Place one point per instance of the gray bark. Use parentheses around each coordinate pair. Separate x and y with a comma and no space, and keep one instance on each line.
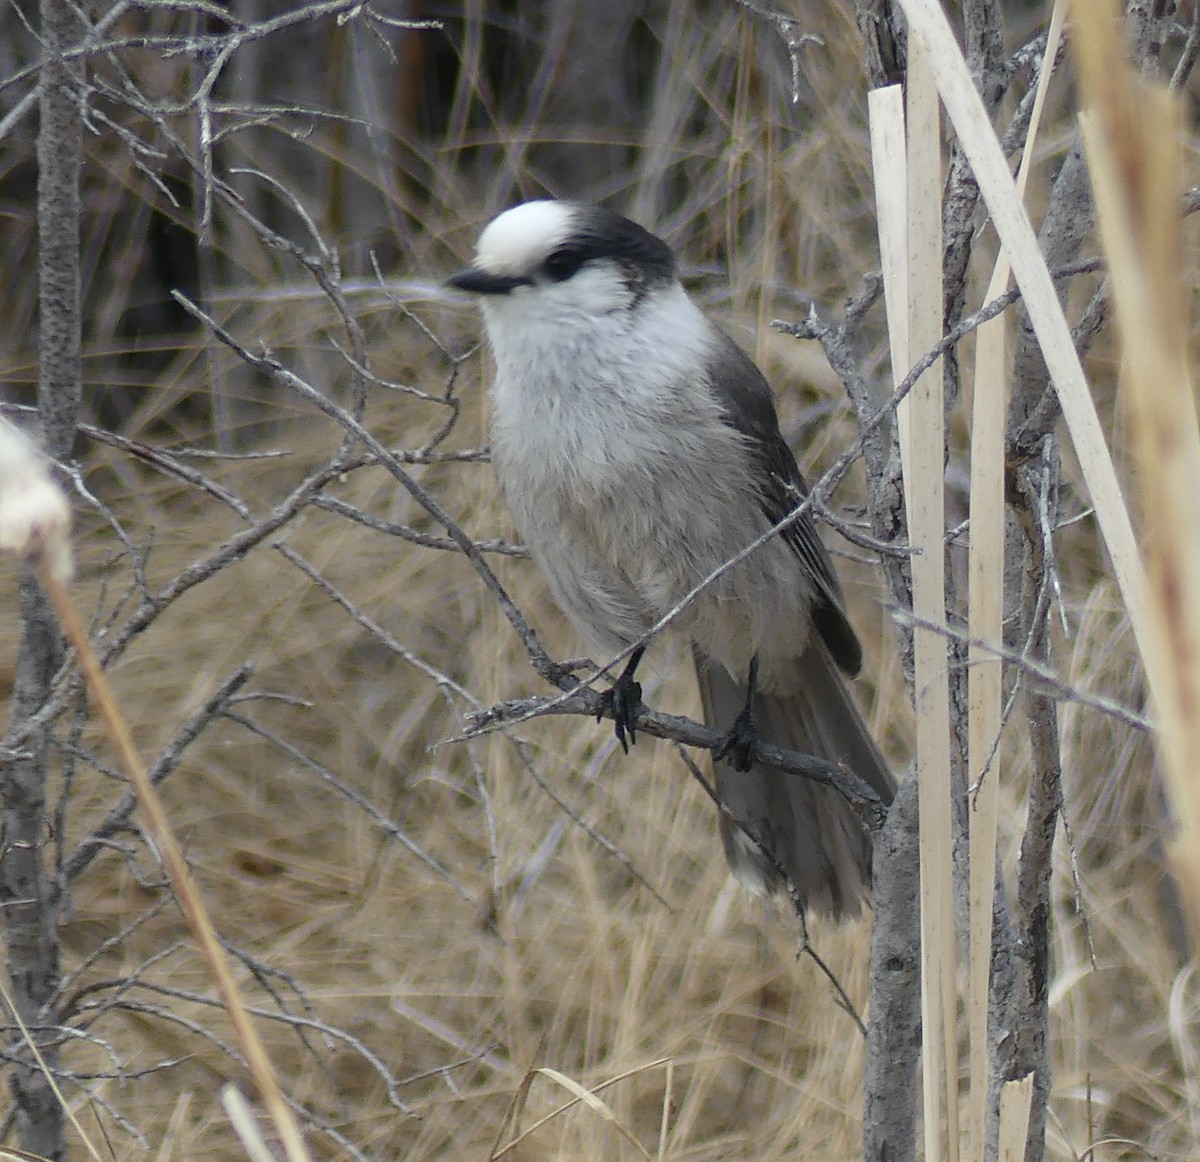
(29,897)
(881,27)
(1028,1049)
(894,1023)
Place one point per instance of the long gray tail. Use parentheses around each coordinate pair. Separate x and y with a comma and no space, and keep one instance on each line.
(813,834)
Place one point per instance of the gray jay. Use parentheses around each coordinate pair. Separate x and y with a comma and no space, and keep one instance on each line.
(639,450)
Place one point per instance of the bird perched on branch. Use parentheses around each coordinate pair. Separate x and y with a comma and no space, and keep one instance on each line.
(639,451)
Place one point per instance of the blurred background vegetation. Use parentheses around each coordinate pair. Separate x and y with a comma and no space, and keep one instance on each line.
(424,922)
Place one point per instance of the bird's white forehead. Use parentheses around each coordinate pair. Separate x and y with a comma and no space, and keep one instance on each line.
(519,238)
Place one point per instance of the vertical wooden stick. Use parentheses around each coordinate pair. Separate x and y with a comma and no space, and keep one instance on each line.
(925,500)
(986,600)
(889,164)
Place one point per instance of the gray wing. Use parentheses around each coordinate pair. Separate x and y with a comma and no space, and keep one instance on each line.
(748,404)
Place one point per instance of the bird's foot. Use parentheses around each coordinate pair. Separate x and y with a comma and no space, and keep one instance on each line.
(739,745)
(623,701)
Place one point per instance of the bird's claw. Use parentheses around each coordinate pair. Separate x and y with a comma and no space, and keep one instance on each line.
(739,746)
(624,700)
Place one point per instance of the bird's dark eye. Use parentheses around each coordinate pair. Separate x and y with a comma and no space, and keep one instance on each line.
(563,263)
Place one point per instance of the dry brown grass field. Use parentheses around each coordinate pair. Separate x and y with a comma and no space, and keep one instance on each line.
(436,946)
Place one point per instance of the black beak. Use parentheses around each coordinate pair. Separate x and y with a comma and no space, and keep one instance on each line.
(479,282)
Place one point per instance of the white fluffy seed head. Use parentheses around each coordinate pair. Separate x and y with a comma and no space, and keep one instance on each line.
(35,518)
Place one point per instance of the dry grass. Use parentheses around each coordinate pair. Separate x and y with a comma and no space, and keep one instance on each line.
(690,1017)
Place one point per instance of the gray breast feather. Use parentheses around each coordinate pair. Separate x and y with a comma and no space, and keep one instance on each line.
(629,500)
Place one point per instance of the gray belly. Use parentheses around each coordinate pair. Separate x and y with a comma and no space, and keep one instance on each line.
(618,560)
